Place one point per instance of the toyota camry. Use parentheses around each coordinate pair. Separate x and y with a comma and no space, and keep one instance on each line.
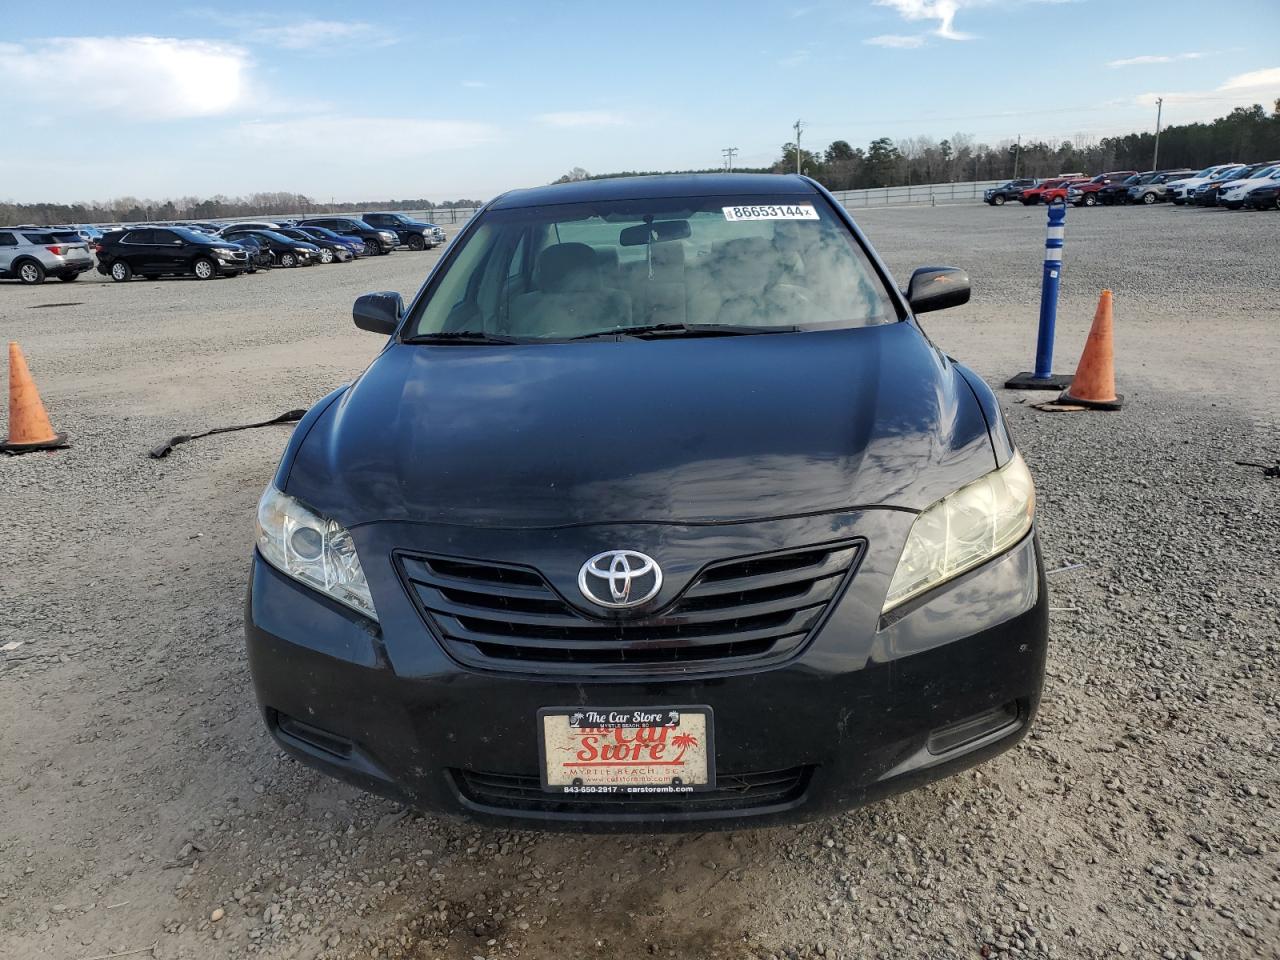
(658,509)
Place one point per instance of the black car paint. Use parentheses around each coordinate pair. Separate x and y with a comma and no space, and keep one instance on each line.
(279,248)
(841,435)
(160,252)
(405,229)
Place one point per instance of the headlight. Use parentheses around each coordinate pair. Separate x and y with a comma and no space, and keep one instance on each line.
(313,550)
(387,235)
(962,530)
(302,250)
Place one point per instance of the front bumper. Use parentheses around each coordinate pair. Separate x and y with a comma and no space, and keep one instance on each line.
(869,707)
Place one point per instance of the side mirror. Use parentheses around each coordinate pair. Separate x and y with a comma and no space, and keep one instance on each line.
(936,288)
(378,312)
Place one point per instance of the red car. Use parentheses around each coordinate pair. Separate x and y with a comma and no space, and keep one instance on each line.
(1086,193)
(1035,194)
(1059,192)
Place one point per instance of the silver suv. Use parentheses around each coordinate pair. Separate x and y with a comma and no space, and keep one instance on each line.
(30,254)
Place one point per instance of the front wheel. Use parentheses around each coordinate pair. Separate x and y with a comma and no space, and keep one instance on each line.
(326,255)
(31,272)
(288,260)
(997,200)
(121,271)
(204,269)
(416,242)
(1149,198)
(1091,200)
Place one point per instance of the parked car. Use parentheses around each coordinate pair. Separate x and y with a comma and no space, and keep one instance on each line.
(1180,191)
(438,231)
(1059,192)
(1085,193)
(330,250)
(1033,195)
(1000,194)
(354,244)
(285,251)
(1207,194)
(1264,198)
(453,604)
(260,256)
(248,225)
(376,240)
(1156,189)
(153,252)
(30,255)
(413,234)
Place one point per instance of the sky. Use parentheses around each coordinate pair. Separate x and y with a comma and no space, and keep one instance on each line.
(375,100)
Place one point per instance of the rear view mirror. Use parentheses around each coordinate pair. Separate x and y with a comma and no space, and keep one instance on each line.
(659,231)
(936,288)
(378,312)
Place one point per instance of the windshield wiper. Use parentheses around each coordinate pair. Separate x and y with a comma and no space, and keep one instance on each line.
(464,337)
(656,330)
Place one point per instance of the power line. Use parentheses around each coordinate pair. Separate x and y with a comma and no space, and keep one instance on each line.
(729,153)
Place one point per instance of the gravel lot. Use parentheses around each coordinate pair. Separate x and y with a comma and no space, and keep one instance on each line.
(143,808)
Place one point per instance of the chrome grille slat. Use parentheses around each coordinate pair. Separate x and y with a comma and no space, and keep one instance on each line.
(748,609)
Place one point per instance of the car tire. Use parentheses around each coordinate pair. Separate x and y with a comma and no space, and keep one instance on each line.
(288,260)
(1090,199)
(204,268)
(417,243)
(69,277)
(326,255)
(1148,198)
(31,272)
(121,271)
(997,200)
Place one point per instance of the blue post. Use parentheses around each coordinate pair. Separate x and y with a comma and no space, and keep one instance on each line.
(1049,289)
(1043,377)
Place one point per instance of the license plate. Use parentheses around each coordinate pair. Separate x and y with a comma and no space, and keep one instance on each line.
(626,750)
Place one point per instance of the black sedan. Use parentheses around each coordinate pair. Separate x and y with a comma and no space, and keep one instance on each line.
(285,251)
(657,510)
(330,250)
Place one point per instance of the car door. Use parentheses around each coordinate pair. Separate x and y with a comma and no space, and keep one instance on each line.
(135,250)
(167,253)
(8,243)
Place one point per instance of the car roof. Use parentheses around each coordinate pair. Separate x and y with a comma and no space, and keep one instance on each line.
(646,188)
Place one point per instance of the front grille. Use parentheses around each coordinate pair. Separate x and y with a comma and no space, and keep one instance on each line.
(747,610)
(740,791)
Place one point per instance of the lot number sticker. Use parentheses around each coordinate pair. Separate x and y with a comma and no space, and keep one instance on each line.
(797,211)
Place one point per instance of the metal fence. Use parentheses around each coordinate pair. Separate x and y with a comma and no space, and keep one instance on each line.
(920,193)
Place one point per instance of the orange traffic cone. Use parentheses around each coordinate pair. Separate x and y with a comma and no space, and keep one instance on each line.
(29,427)
(1094,384)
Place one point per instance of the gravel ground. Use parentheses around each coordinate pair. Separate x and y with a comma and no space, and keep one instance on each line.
(144,808)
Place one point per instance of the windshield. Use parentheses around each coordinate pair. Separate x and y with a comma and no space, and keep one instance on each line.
(277,237)
(1226,174)
(581,269)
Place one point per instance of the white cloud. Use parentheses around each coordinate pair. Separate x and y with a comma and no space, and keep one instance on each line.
(943,11)
(348,138)
(582,118)
(155,78)
(1268,79)
(318,34)
(1160,58)
(1257,86)
(896,41)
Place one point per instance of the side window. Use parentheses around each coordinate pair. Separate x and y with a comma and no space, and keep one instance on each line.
(138,236)
(8,240)
(165,236)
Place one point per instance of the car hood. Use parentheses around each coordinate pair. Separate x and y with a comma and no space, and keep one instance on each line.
(689,430)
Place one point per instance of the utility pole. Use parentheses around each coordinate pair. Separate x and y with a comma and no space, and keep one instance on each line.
(1155,159)
(1016,151)
(798,127)
(729,153)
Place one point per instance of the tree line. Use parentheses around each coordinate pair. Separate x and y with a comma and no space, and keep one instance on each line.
(134,209)
(1245,134)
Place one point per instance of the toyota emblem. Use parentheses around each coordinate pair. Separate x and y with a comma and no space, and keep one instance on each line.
(620,578)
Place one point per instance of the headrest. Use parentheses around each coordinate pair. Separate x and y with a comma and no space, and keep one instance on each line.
(607,257)
(568,266)
(669,256)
